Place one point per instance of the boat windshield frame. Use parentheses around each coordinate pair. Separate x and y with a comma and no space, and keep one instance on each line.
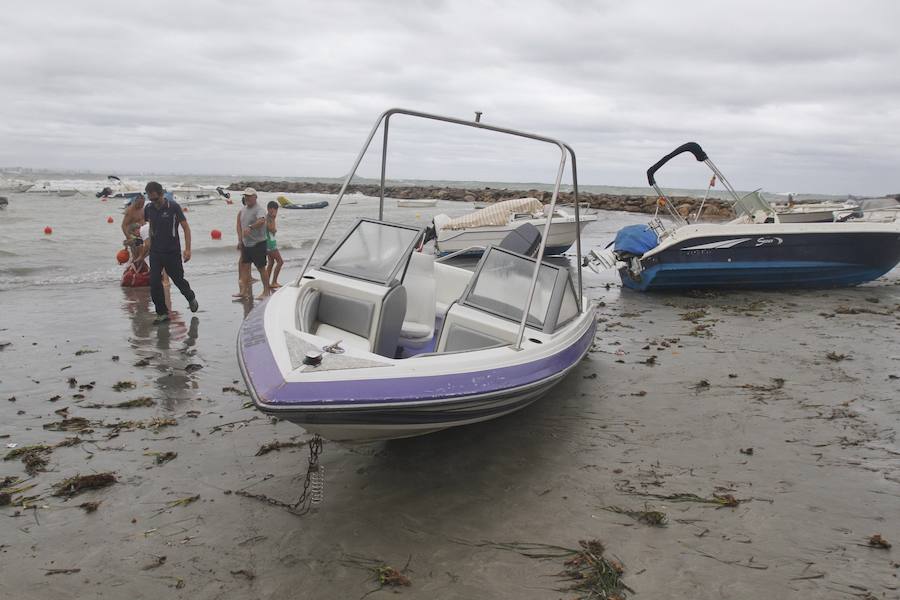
(560,280)
(366,275)
(566,151)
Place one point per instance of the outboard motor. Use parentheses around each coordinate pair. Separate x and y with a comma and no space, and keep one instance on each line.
(524,239)
(223,193)
(105,193)
(430,234)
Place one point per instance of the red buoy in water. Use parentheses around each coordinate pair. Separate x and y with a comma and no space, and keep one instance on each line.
(48,230)
(109,219)
(215,234)
(122,256)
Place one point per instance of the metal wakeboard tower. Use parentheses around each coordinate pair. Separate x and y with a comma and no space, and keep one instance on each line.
(563,148)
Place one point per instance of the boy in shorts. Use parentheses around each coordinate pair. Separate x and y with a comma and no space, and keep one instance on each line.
(272,252)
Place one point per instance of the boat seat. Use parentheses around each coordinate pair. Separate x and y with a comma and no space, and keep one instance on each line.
(418,324)
(450,284)
(336,317)
(524,239)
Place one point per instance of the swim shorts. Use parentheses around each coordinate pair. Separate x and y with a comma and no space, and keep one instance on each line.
(255,254)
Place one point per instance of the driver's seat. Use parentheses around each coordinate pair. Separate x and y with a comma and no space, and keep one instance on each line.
(418,324)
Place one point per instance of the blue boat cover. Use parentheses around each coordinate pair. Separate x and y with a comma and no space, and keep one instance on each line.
(635,240)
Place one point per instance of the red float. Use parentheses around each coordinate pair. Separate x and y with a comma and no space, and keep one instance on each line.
(136,276)
(48,230)
(109,219)
(122,256)
(215,234)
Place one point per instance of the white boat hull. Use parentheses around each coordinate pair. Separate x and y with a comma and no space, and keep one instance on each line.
(563,232)
(416,203)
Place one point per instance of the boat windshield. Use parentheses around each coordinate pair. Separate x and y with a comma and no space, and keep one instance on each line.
(501,283)
(752,203)
(373,251)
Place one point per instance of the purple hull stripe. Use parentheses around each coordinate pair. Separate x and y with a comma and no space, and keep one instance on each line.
(271,388)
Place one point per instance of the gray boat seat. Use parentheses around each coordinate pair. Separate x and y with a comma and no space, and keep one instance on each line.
(418,324)
(336,317)
(524,239)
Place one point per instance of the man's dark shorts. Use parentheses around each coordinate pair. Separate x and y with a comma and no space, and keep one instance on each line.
(255,254)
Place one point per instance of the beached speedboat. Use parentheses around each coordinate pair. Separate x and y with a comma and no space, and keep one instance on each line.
(755,250)
(384,341)
(471,233)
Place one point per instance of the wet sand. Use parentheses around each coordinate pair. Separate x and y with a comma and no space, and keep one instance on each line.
(674,394)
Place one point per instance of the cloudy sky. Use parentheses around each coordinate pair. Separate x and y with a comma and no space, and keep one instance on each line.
(788,96)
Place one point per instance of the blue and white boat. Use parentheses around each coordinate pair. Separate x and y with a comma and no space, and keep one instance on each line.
(385,341)
(757,250)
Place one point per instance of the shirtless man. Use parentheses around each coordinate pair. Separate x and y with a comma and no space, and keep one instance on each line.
(131,225)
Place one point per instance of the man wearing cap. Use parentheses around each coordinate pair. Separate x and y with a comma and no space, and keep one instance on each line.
(164,217)
(252,243)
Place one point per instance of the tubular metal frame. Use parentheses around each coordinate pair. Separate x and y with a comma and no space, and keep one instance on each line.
(563,148)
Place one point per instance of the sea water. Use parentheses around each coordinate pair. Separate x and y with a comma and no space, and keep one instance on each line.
(82,246)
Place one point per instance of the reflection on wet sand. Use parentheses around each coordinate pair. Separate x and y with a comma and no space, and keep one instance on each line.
(167,347)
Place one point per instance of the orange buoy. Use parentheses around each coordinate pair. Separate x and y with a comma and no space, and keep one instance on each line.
(48,230)
(122,256)
(184,209)
(103,199)
(215,234)
(109,219)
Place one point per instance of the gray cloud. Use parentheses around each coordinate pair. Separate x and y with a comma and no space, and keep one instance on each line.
(795,96)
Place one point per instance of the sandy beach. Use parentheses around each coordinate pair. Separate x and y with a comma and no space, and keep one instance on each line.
(762,424)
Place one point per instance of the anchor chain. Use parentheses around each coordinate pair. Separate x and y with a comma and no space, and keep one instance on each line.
(314,482)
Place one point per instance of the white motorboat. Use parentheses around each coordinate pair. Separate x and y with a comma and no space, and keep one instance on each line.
(416,202)
(818,212)
(470,233)
(194,195)
(116,189)
(383,341)
(14,186)
(46,188)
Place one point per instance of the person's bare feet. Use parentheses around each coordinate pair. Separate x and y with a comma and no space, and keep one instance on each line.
(275,286)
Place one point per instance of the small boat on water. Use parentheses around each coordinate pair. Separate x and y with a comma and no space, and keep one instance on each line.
(46,188)
(14,186)
(285,203)
(4,202)
(383,341)
(755,250)
(194,195)
(416,202)
(116,189)
(471,233)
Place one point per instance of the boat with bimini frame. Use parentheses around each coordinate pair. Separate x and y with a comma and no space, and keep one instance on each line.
(756,250)
(384,341)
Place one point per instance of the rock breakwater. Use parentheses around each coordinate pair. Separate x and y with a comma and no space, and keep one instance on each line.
(627,203)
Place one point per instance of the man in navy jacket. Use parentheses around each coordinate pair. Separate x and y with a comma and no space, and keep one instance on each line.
(164,217)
